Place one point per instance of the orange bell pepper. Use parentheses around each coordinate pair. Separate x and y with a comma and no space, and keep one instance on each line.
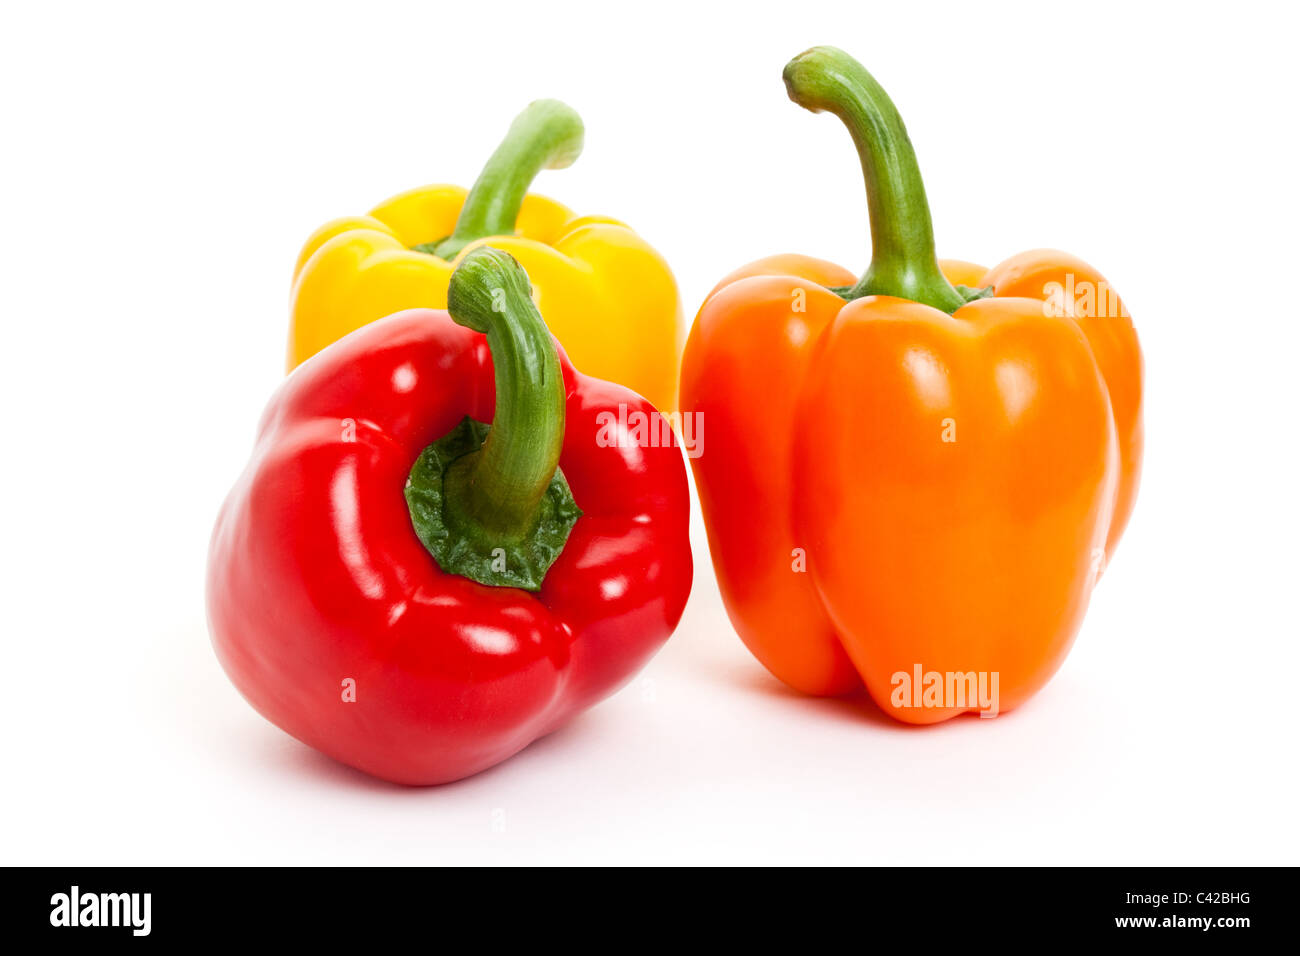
(909,478)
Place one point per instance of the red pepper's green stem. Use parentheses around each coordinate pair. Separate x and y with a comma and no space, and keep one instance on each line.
(490,293)
(903,262)
(546,135)
(490,503)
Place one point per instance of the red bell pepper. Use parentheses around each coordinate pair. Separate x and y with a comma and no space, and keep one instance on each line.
(420,601)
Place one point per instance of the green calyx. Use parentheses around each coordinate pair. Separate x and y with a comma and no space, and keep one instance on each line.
(490,502)
(903,261)
(546,135)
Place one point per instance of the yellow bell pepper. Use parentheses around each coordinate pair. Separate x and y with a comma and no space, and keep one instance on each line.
(605,293)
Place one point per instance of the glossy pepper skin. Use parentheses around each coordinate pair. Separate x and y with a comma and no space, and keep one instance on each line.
(943,470)
(317,575)
(607,295)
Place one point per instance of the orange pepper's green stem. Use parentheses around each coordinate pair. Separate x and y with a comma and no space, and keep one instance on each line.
(903,261)
(546,135)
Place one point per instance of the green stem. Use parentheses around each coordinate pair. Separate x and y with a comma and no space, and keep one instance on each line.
(546,135)
(490,293)
(490,503)
(903,261)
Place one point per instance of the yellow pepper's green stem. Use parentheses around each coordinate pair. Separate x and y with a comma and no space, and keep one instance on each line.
(903,262)
(546,135)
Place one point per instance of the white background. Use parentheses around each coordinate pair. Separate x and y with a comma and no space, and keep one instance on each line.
(160,169)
